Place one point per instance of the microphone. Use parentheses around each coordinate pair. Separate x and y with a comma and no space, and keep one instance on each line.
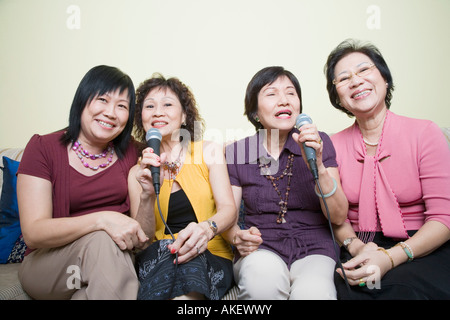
(153,138)
(309,151)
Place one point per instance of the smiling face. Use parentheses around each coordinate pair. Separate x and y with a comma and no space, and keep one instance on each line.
(278,105)
(364,94)
(104,118)
(162,110)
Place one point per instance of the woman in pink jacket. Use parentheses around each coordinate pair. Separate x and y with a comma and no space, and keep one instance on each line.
(395,173)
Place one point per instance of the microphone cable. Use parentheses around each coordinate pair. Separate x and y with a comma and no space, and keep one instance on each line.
(336,249)
(173,239)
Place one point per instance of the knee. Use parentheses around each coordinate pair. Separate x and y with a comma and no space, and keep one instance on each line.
(313,288)
(98,243)
(100,247)
(261,277)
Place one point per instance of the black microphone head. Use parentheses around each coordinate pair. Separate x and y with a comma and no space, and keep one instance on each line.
(153,133)
(302,119)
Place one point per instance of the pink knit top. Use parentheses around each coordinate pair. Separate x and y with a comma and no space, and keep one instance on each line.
(404,185)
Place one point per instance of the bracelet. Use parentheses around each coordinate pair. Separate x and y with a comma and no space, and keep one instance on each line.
(348,241)
(389,255)
(407,250)
(329,194)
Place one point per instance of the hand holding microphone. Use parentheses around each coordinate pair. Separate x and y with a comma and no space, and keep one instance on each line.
(310,152)
(149,173)
(153,138)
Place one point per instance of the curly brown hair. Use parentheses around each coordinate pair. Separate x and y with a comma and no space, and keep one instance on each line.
(194,122)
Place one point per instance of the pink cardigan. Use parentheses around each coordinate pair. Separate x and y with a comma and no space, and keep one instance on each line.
(404,185)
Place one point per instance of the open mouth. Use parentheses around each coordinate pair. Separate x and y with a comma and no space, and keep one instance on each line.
(105,124)
(283,114)
(159,124)
(361,94)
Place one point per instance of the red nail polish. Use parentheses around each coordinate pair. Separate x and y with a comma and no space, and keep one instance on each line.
(173,250)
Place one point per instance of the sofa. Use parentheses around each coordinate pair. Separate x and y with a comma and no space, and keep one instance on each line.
(12,253)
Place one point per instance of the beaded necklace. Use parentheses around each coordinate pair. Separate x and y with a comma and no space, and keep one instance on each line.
(82,153)
(173,166)
(286,172)
(370,143)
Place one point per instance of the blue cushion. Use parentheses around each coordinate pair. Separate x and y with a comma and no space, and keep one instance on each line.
(8,200)
(9,211)
(8,237)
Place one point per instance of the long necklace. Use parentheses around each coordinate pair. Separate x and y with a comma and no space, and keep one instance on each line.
(286,172)
(82,153)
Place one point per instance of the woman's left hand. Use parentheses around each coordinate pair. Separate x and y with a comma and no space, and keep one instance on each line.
(191,241)
(370,265)
(310,136)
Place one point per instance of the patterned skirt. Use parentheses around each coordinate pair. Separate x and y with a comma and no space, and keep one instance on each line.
(206,274)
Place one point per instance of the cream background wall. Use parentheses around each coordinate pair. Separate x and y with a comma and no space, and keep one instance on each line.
(215,47)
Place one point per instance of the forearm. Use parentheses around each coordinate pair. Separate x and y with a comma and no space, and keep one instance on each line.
(56,232)
(345,231)
(428,238)
(224,220)
(230,234)
(336,200)
(146,215)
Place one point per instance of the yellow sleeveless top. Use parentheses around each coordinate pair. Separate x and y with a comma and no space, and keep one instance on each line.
(193,178)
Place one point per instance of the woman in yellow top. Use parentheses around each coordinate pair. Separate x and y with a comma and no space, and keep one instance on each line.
(195,199)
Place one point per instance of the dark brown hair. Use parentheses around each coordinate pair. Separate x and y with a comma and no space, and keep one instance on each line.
(186,98)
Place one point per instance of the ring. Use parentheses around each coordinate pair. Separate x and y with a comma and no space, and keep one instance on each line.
(361,283)
(319,141)
(198,250)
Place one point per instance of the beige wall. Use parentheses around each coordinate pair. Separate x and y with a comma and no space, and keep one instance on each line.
(215,47)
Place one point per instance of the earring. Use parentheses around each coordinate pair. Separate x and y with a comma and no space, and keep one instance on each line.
(256,118)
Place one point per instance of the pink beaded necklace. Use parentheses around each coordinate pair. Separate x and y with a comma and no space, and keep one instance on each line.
(82,153)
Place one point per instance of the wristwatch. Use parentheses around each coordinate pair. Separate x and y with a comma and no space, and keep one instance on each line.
(213,226)
(347,242)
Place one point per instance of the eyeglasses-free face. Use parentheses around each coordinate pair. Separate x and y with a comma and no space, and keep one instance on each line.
(345,77)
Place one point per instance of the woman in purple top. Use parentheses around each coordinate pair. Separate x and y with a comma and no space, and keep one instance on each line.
(285,249)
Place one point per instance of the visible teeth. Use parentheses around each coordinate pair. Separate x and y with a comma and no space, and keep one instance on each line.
(285,112)
(361,93)
(105,124)
(159,123)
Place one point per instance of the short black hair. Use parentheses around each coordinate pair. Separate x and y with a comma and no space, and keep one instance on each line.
(99,81)
(263,77)
(345,48)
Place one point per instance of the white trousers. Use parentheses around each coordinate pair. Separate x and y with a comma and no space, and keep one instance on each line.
(263,275)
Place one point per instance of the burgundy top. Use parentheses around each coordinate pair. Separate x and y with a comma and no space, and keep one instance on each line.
(75,194)
(306,230)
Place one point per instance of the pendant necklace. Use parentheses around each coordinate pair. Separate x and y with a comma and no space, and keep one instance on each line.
(286,172)
(173,166)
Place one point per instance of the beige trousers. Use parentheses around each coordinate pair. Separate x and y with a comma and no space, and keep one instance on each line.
(263,275)
(92,267)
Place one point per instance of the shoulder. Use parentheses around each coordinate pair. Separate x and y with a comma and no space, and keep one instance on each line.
(342,135)
(213,153)
(49,138)
(238,148)
(49,143)
(407,127)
